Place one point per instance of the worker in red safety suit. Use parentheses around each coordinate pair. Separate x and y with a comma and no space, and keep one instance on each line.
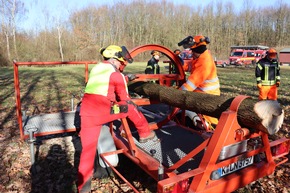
(106,99)
(203,76)
(268,76)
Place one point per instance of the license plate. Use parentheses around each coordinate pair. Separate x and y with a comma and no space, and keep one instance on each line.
(236,166)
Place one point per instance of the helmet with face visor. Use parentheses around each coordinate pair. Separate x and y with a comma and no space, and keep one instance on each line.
(117,52)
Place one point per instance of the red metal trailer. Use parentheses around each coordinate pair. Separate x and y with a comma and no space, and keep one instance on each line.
(228,158)
(183,159)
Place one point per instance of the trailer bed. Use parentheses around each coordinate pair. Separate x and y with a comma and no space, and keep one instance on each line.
(50,123)
(173,143)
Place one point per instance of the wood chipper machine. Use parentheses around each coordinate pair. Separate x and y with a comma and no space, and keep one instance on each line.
(183,159)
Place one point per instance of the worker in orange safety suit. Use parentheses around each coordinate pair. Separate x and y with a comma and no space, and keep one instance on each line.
(106,99)
(268,76)
(203,76)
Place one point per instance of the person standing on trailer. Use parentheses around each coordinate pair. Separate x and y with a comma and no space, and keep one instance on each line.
(268,76)
(106,99)
(203,76)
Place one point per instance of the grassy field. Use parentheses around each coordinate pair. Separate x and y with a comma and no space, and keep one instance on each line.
(50,89)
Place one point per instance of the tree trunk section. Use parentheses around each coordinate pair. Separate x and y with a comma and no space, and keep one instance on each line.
(266,116)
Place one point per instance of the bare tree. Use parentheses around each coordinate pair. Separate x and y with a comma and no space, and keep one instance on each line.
(13,26)
(5,26)
(280,22)
(140,22)
(59,35)
(9,11)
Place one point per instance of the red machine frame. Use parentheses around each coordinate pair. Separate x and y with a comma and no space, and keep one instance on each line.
(228,126)
(16,66)
(227,132)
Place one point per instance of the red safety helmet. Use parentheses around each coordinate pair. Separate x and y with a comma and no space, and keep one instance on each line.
(272,53)
(200,40)
(155,52)
(177,51)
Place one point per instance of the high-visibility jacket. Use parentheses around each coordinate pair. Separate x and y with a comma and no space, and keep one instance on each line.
(187,65)
(203,77)
(267,72)
(104,86)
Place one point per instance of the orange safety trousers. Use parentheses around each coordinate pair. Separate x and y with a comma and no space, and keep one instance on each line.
(268,92)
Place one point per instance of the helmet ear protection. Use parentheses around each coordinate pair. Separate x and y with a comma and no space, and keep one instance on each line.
(118,54)
(204,39)
(207,40)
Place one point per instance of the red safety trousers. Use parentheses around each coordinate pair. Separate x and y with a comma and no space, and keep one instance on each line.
(89,134)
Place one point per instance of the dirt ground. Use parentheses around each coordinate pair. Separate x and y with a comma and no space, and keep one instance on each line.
(54,169)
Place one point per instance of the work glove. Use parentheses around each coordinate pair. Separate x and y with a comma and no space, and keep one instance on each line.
(259,85)
(278,83)
(131,77)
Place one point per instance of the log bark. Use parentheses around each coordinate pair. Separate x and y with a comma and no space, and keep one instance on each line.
(266,116)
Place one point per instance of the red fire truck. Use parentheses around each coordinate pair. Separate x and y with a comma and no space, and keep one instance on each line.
(246,55)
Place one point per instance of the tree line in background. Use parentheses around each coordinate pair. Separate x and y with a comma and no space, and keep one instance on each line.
(140,22)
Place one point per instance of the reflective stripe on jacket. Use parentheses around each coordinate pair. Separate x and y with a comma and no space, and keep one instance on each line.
(203,77)
(152,67)
(267,72)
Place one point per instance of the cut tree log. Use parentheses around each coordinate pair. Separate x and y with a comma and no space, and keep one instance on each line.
(266,116)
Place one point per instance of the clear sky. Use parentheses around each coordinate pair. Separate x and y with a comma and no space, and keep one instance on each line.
(37,9)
